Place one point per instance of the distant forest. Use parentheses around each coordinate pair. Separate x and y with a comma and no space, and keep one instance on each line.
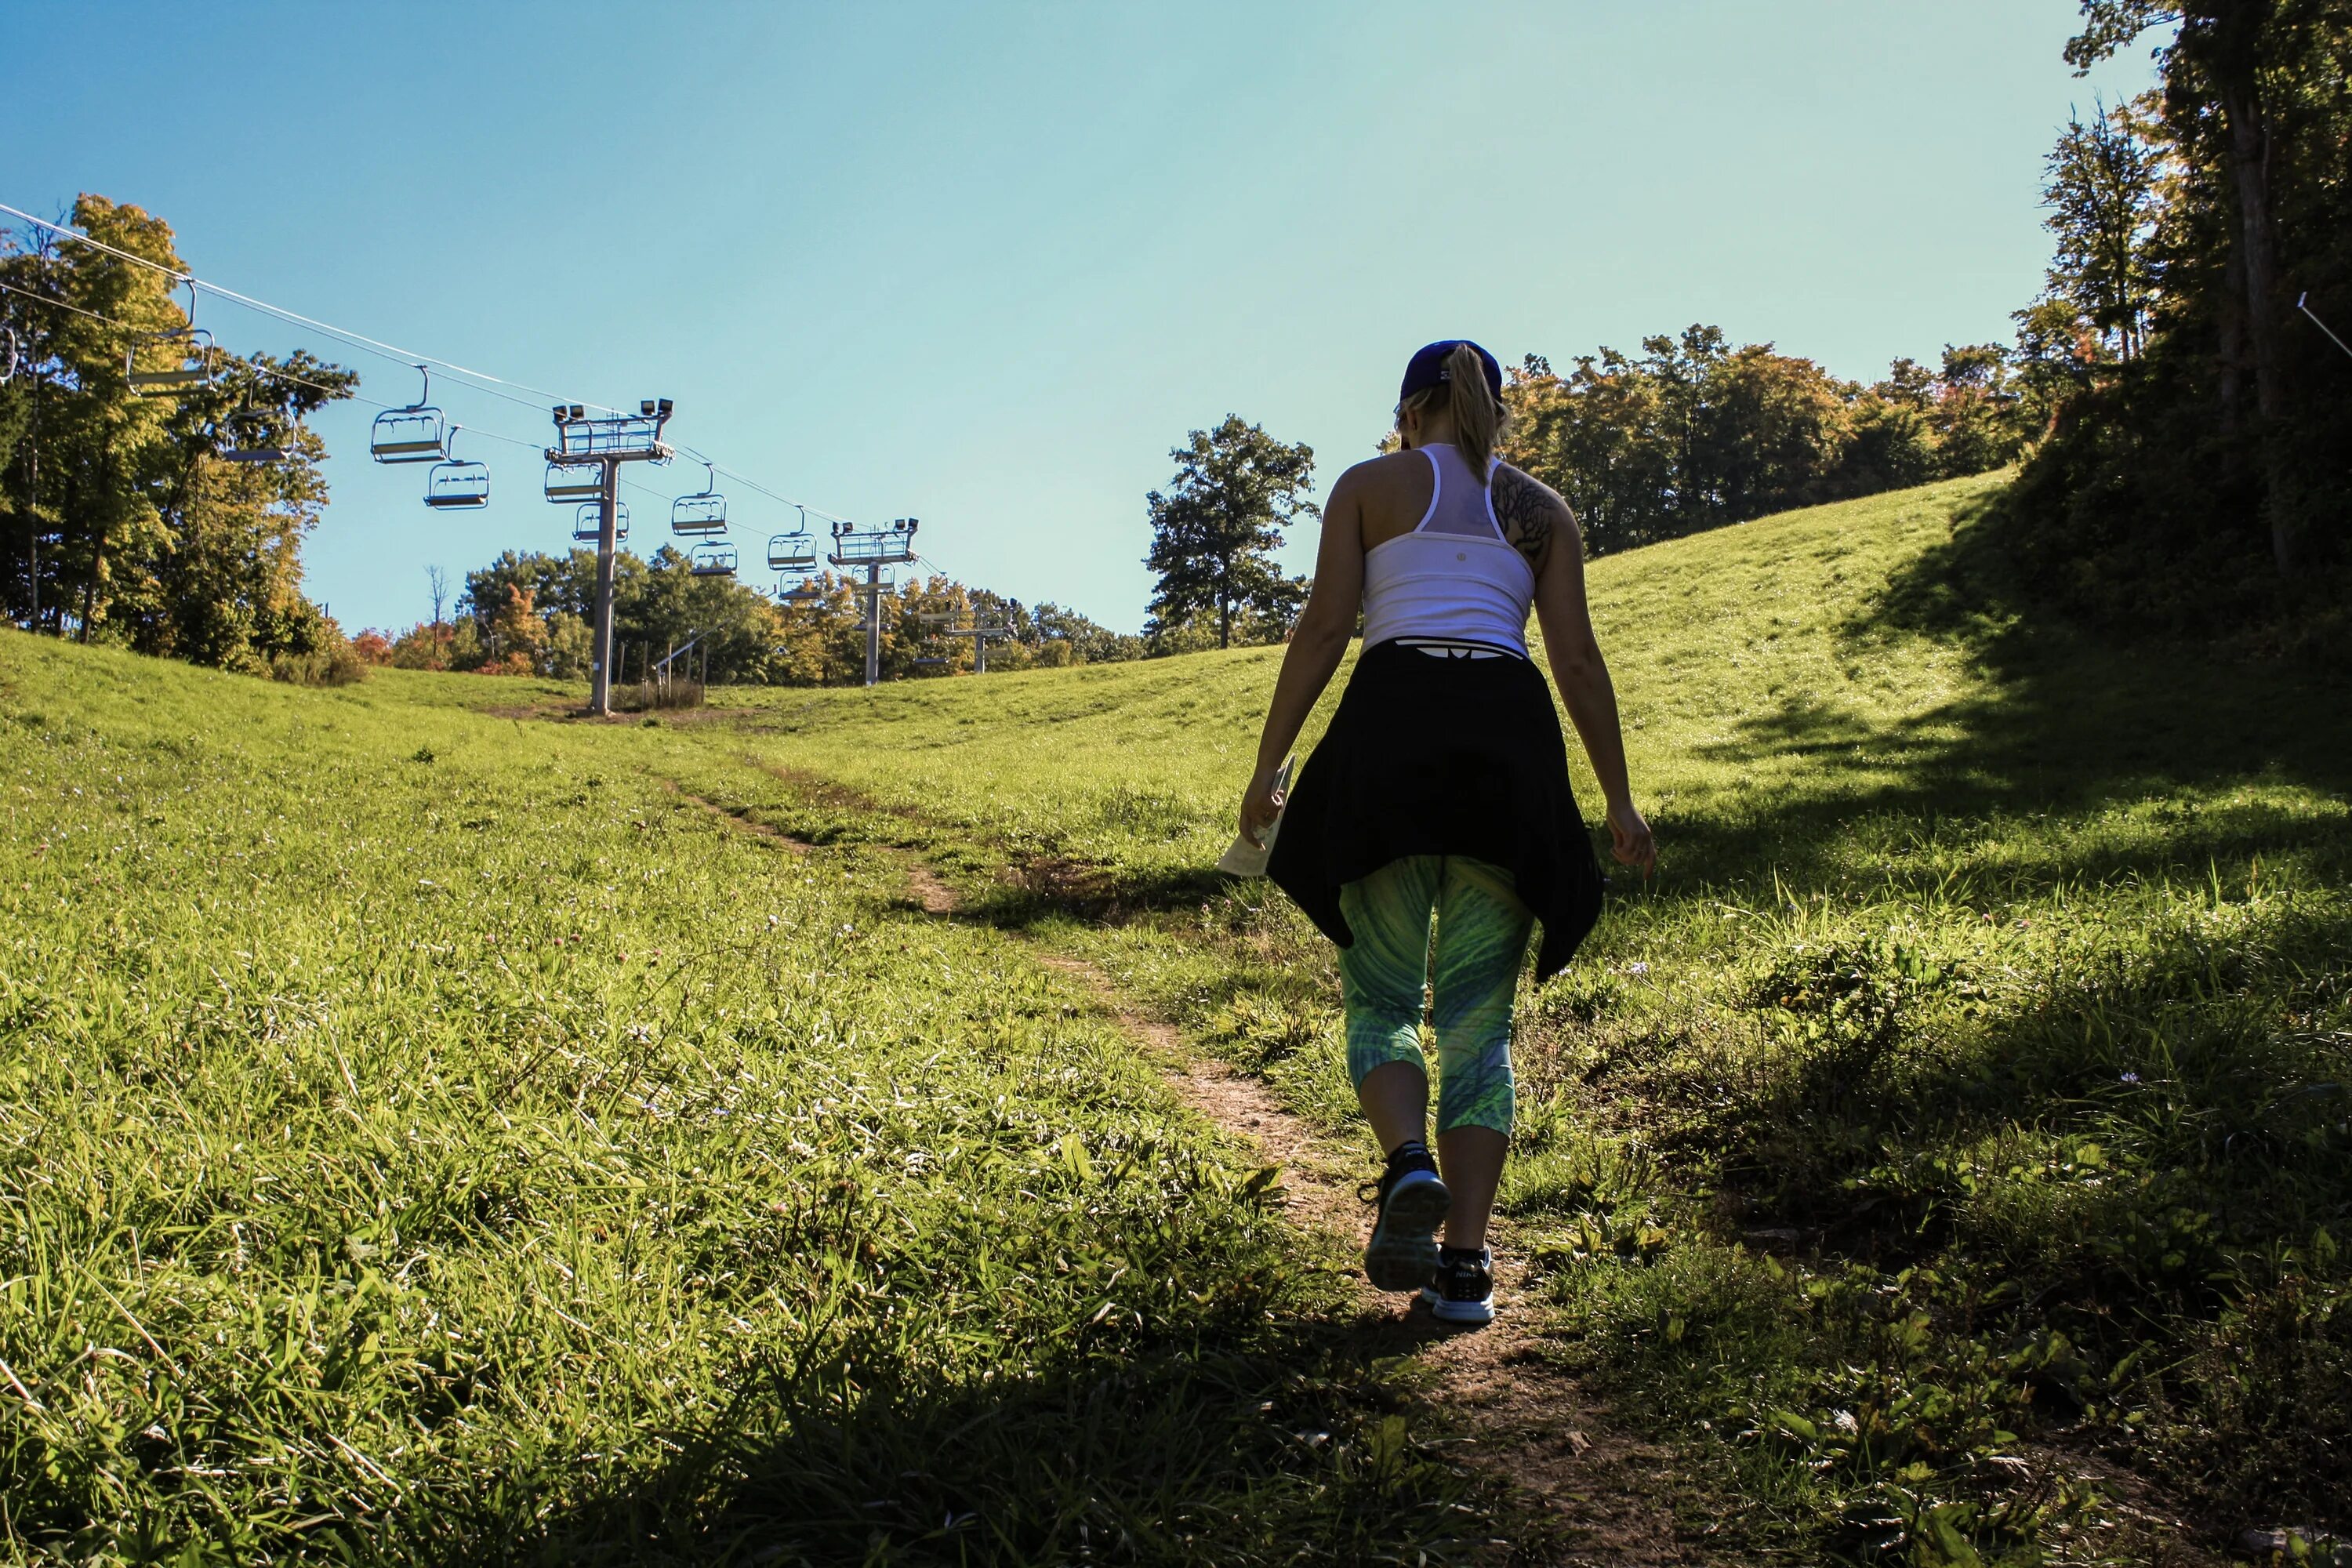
(1692,434)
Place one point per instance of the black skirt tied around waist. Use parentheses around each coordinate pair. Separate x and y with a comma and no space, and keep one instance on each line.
(1431,756)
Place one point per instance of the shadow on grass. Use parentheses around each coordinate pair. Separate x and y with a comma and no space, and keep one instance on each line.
(1162,1454)
(1038,888)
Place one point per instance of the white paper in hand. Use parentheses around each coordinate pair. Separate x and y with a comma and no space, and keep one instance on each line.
(1243,858)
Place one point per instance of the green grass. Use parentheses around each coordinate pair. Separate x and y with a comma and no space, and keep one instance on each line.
(1964,1108)
(1973,1088)
(426,1138)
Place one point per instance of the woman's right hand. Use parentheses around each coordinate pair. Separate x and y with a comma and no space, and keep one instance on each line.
(1260,805)
(1630,838)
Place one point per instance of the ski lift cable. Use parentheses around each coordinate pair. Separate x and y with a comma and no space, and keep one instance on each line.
(2299,305)
(356,339)
(273,373)
(388,350)
(60,304)
(747,481)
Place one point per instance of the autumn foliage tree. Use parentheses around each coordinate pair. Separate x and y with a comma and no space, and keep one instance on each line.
(120,519)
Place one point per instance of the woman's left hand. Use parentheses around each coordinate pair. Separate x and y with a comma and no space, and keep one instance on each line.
(1261,804)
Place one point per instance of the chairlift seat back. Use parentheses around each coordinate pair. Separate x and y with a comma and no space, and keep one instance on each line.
(588,522)
(792,553)
(194,369)
(408,436)
(574,481)
(457,484)
(695,515)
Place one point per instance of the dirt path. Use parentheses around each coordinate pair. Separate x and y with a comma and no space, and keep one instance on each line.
(1602,1495)
(1602,1498)
(740,819)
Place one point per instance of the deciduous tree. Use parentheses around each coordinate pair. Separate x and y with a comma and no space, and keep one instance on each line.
(1216,527)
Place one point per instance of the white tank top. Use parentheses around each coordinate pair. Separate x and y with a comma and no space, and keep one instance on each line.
(1454,578)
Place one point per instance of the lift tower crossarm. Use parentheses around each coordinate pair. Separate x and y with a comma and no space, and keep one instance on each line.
(604,444)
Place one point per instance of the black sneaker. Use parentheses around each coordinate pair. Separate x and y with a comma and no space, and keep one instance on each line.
(1413,1204)
(1462,1289)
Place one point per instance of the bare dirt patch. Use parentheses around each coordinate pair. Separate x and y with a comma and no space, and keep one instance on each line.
(819,790)
(923,885)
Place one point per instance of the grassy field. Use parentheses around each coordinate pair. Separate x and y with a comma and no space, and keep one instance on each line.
(1966,1109)
(423,1135)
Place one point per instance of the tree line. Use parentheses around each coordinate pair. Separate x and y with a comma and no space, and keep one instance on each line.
(119,518)
(1688,434)
(531,613)
(2192,480)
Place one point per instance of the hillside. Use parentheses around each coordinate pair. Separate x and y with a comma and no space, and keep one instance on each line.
(1947,1156)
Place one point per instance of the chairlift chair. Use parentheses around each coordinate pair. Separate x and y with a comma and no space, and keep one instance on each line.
(704,512)
(588,522)
(792,552)
(194,346)
(456,483)
(714,559)
(10,355)
(574,481)
(415,434)
(791,590)
(250,439)
(194,367)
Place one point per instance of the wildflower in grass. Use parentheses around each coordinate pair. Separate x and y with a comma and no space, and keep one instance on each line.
(2129,1078)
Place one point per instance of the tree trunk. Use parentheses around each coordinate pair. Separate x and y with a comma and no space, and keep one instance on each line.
(2258,247)
(2230,314)
(90,584)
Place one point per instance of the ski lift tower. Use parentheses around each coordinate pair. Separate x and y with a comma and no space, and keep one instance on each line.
(981,632)
(874,547)
(603,445)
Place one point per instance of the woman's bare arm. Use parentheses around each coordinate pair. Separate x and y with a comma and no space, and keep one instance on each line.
(1317,643)
(1532,510)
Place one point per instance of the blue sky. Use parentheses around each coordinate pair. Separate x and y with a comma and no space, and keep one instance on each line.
(985,265)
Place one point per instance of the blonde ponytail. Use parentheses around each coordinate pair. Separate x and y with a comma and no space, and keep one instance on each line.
(1477,417)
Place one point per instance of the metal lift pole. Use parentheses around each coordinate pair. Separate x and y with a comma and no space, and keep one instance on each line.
(600,660)
(873,623)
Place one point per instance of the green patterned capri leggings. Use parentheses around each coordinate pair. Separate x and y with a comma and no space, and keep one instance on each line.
(1471,970)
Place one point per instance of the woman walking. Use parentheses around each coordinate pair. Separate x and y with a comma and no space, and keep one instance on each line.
(1440,790)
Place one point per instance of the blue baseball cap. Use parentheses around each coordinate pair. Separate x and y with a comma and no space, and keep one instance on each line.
(1427,369)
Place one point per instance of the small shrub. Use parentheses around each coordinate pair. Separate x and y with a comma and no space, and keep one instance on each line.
(651,694)
(337,664)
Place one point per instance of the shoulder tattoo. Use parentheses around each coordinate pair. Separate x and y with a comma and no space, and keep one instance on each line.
(1529,511)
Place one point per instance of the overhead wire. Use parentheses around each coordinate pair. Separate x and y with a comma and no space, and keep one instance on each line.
(392,352)
(271,372)
(399,355)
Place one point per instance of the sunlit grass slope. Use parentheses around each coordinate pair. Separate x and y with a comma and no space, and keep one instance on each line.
(425,1137)
(1971,1086)
(1836,656)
